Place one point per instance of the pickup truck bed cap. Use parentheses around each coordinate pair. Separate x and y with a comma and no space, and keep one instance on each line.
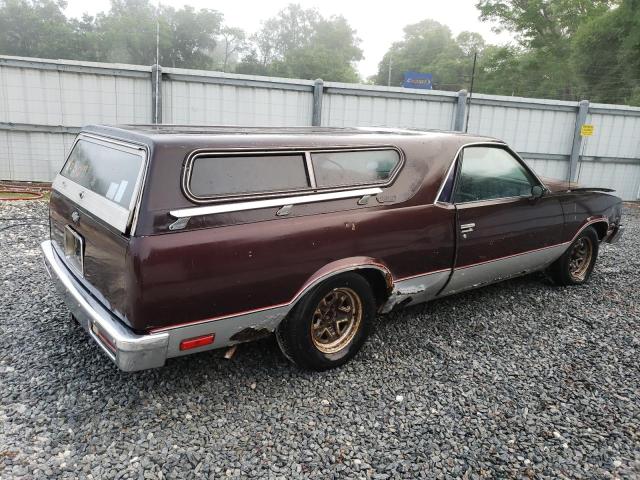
(264,136)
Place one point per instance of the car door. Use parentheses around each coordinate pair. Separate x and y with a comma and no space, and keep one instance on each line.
(503,230)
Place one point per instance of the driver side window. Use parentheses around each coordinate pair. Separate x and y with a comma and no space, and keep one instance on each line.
(488,173)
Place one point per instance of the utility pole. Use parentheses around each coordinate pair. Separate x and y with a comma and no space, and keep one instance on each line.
(157,63)
(473,76)
(158,39)
(389,75)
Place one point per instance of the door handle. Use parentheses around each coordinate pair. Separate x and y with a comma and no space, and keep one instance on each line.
(467,227)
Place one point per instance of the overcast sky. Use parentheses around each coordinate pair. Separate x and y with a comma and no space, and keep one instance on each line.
(377,26)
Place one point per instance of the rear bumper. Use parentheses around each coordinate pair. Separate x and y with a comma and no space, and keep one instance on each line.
(128,350)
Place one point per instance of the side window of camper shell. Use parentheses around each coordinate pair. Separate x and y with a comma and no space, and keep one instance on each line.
(232,175)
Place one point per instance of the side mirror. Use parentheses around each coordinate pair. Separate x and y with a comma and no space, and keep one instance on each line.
(537,191)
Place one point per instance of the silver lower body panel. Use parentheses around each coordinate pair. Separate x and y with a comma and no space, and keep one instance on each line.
(493,271)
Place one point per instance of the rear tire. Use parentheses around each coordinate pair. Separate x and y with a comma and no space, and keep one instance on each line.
(329,325)
(574,267)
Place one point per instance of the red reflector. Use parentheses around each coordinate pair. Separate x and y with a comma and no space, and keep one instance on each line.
(108,343)
(197,342)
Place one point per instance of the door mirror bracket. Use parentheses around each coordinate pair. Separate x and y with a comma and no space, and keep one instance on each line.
(537,191)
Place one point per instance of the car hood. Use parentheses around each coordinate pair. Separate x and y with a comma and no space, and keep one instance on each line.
(555,185)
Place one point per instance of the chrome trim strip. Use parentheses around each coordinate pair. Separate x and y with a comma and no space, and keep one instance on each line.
(186,176)
(274,202)
(499,199)
(310,172)
(132,351)
(421,275)
(117,141)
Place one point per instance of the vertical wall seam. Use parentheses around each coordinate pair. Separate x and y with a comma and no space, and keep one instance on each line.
(581,117)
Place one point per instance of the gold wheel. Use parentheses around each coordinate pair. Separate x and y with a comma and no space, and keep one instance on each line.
(580,258)
(336,320)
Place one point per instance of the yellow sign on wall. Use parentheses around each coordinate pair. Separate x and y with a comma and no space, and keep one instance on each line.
(587,130)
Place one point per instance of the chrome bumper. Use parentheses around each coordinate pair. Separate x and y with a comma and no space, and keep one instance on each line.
(128,350)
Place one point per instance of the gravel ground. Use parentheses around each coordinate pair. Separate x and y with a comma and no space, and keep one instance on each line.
(517,380)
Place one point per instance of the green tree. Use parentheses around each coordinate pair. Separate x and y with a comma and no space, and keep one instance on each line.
(429,47)
(544,29)
(38,28)
(232,42)
(606,55)
(193,36)
(124,34)
(127,33)
(541,23)
(470,43)
(499,71)
(301,43)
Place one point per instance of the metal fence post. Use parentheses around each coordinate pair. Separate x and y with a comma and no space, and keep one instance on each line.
(581,118)
(156,94)
(458,114)
(316,115)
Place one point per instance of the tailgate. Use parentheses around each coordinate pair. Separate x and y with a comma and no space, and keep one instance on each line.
(91,212)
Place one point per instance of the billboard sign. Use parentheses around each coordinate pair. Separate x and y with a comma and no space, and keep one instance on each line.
(418,80)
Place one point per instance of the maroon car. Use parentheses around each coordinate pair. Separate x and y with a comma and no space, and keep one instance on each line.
(170,240)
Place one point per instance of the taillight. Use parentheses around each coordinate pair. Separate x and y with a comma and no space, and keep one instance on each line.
(197,342)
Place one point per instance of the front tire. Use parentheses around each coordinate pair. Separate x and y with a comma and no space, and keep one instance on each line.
(574,267)
(329,325)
